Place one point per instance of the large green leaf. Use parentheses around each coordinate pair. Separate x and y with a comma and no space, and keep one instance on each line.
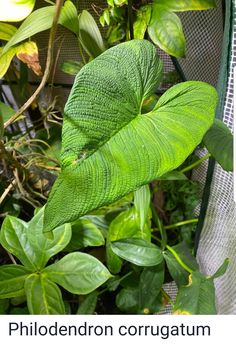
(43,296)
(109,148)
(197,298)
(89,35)
(165,30)
(138,251)
(12,279)
(15,10)
(44,18)
(78,273)
(186,5)
(219,142)
(28,243)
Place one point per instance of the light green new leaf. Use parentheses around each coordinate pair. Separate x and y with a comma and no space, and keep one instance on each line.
(7,31)
(71,67)
(12,279)
(197,298)
(84,234)
(44,18)
(5,60)
(138,251)
(78,273)
(143,16)
(13,238)
(221,270)
(89,35)
(5,111)
(109,148)
(219,142)
(43,296)
(186,5)
(142,198)
(15,10)
(165,30)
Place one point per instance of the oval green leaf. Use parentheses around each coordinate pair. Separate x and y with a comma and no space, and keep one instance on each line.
(138,251)
(78,273)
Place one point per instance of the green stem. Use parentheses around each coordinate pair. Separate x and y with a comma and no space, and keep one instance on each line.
(82,53)
(122,278)
(178,259)
(130,15)
(195,164)
(189,221)
(160,226)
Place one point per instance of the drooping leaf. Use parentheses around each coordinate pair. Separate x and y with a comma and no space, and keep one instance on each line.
(7,31)
(71,67)
(219,142)
(44,18)
(197,298)
(88,306)
(89,35)
(221,270)
(12,279)
(105,137)
(138,251)
(43,296)
(84,234)
(142,198)
(78,273)
(186,5)
(143,16)
(15,10)
(165,30)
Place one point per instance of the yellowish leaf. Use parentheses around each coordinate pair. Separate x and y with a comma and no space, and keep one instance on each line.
(7,31)
(5,60)
(28,53)
(15,10)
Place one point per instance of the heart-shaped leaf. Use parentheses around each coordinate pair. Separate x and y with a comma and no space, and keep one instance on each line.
(78,273)
(43,296)
(109,148)
(12,280)
(138,251)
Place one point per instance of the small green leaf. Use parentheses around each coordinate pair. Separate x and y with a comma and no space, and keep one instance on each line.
(186,5)
(143,16)
(71,67)
(7,31)
(142,198)
(84,234)
(88,306)
(173,176)
(69,17)
(197,298)
(78,273)
(89,35)
(165,30)
(12,279)
(138,251)
(114,263)
(219,142)
(221,270)
(15,10)
(127,300)
(43,296)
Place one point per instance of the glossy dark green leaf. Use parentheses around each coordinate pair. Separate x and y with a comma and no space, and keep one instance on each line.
(78,273)
(151,281)
(88,306)
(89,35)
(197,298)
(108,152)
(138,251)
(71,67)
(178,273)
(12,279)
(84,234)
(165,30)
(186,5)
(43,296)
(219,142)
(221,270)
(127,300)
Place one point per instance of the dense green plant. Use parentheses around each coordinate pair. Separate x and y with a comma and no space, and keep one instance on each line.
(128,19)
